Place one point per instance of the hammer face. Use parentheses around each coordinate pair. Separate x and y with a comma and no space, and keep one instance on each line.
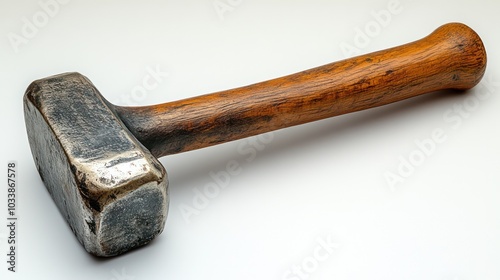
(110,189)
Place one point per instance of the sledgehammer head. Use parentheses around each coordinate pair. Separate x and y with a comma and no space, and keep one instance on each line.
(110,189)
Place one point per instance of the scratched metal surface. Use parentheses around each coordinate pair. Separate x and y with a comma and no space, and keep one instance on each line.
(110,189)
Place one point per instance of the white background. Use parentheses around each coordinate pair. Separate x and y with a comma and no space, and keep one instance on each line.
(323,180)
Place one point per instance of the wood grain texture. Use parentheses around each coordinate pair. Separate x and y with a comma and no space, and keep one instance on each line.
(452,57)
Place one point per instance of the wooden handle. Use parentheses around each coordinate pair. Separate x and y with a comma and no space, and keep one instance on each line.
(452,57)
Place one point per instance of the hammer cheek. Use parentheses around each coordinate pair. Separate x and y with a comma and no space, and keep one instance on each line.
(54,169)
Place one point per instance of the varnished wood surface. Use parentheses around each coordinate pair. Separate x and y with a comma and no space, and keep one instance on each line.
(452,57)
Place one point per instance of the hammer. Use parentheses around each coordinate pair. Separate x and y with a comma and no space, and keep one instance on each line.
(99,161)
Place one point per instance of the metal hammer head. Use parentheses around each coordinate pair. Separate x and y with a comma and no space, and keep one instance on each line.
(110,189)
